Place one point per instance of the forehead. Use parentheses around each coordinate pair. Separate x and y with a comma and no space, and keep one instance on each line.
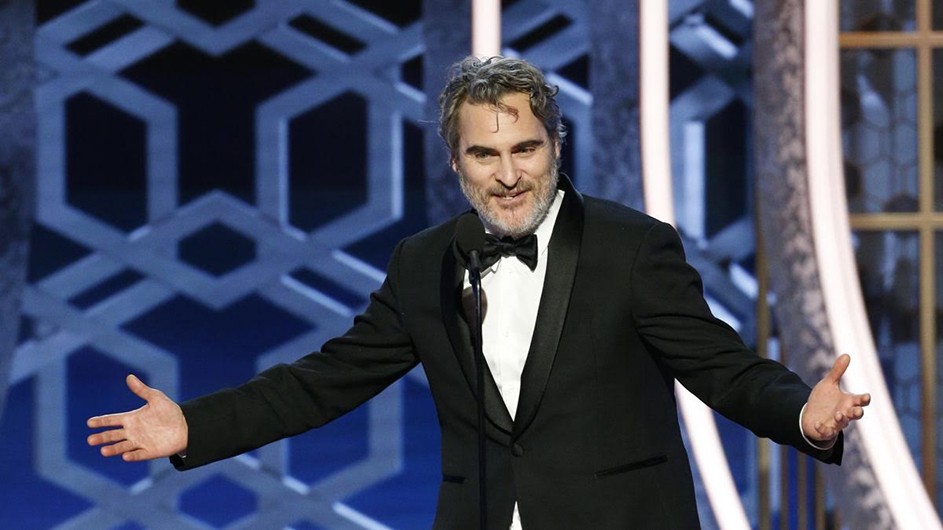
(484,124)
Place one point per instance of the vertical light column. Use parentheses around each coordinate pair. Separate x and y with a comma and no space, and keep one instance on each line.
(486,28)
(656,171)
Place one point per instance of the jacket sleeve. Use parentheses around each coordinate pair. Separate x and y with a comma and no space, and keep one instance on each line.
(706,355)
(289,399)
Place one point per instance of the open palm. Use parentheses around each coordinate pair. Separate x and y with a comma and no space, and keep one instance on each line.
(156,430)
(830,409)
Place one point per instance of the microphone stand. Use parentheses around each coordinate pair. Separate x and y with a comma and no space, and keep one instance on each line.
(474,277)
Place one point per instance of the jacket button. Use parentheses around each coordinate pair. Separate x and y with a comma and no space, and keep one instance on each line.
(517,450)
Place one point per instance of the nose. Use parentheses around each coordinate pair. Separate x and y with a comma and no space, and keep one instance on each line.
(508,174)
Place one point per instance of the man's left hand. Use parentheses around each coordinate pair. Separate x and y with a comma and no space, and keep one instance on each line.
(829,409)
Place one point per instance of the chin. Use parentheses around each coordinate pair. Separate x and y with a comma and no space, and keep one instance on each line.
(517,227)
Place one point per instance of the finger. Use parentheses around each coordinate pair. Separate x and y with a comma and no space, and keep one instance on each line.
(863,400)
(138,387)
(117,449)
(825,432)
(114,435)
(838,368)
(841,424)
(108,420)
(135,456)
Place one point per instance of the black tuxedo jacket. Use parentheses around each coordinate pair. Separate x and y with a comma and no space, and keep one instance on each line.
(596,442)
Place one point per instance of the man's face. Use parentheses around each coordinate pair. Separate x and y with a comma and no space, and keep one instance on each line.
(506,165)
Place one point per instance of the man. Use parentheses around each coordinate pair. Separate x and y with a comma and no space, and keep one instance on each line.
(583,343)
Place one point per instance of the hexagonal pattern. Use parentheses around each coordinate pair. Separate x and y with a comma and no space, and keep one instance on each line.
(216,13)
(329,153)
(95,184)
(216,249)
(217,501)
(153,281)
(890,280)
(880,128)
(880,131)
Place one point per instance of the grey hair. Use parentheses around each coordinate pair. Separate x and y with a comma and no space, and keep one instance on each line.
(486,82)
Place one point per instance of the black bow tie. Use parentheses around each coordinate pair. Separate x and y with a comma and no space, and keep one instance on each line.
(524,248)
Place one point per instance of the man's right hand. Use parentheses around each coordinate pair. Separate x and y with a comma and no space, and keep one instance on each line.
(156,430)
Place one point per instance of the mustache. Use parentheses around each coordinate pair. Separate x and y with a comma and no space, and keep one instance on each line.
(519,187)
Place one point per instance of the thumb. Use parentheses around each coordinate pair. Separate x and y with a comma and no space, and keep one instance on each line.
(838,369)
(138,387)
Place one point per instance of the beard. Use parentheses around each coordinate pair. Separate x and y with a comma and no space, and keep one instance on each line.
(520,221)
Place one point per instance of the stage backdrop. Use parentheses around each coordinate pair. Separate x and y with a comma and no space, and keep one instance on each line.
(219,186)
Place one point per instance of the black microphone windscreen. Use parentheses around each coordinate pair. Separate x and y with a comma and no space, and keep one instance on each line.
(469,234)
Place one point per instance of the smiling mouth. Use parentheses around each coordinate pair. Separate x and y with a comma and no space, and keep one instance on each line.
(510,195)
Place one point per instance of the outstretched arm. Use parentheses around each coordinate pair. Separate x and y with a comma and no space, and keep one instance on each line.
(156,430)
(829,409)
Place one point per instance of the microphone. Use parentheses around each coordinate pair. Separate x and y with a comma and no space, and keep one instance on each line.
(470,242)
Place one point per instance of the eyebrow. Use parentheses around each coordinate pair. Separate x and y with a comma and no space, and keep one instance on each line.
(480,149)
(527,145)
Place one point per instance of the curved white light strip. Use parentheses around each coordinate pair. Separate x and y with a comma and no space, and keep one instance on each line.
(656,177)
(899,481)
(486,28)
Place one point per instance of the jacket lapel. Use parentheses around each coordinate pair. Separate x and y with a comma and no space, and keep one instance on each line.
(563,255)
(452,283)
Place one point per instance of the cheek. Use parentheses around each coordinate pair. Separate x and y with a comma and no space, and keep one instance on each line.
(475,177)
(538,170)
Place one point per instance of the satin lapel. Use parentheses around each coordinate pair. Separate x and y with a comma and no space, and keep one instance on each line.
(453,276)
(564,253)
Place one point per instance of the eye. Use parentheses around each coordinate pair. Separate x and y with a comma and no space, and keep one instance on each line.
(526,150)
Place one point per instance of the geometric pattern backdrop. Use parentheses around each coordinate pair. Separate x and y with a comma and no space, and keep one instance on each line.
(219,188)
(218,192)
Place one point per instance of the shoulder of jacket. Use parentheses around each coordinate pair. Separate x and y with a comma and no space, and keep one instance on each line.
(433,237)
(604,214)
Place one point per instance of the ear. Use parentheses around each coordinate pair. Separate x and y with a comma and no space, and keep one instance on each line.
(453,163)
(556,148)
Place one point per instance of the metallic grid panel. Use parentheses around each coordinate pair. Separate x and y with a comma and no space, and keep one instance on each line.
(882,140)
(879,129)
